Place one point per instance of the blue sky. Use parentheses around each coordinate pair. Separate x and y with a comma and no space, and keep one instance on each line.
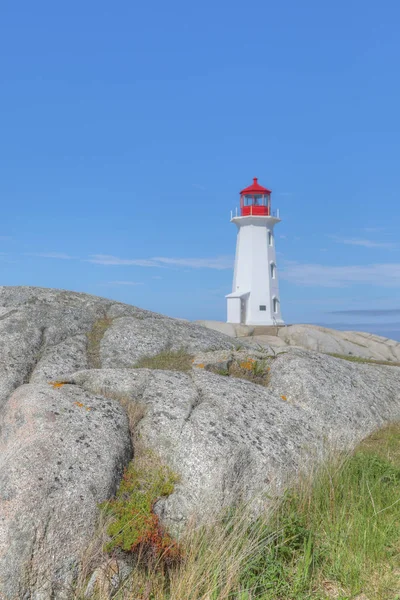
(128,129)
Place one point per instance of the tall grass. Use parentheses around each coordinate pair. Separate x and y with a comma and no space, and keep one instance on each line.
(335,534)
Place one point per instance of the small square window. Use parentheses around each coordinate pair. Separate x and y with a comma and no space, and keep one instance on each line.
(263,307)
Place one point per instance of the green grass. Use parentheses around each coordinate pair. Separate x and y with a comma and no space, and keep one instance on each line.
(360,359)
(337,535)
(170,360)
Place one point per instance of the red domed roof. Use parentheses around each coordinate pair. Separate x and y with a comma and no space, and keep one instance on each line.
(255,188)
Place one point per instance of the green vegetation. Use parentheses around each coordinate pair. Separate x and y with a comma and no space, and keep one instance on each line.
(94,337)
(335,534)
(253,370)
(338,534)
(359,359)
(170,360)
(134,526)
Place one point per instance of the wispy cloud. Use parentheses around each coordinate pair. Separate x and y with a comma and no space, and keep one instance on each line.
(59,255)
(124,283)
(368,312)
(385,275)
(366,243)
(199,187)
(219,262)
(5,238)
(107,259)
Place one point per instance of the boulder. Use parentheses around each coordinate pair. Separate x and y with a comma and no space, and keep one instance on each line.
(231,439)
(321,339)
(313,337)
(62,452)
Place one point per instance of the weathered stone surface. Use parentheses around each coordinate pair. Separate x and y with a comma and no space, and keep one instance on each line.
(128,339)
(314,337)
(235,330)
(44,332)
(229,438)
(62,452)
(354,343)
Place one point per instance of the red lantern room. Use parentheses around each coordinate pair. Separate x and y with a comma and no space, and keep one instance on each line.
(255,200)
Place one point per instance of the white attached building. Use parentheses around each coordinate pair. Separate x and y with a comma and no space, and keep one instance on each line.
(255,294)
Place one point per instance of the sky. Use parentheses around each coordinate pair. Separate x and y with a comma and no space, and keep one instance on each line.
(127,130)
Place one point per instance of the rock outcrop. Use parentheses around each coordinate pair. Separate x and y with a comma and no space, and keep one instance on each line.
(231,439)
(313,337)
(65,361)
(62,452)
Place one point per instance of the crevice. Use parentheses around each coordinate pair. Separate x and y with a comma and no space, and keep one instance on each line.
(39,354)
(198,399)
(94,338)
(11,312)
(66,339)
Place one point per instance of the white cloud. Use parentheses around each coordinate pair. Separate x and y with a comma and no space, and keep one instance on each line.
(59,255)
(124,283)
(219,262)
(385,275)
(107,259)
(365,243)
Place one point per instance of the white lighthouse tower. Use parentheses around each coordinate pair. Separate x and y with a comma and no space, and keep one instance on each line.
(255,294)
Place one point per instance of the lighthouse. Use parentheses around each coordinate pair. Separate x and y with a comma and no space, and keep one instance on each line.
(255,293)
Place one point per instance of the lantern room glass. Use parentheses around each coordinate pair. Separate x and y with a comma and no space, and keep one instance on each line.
(255,204)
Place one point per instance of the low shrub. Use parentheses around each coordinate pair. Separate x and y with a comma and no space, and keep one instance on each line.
(251,369)
(134,526)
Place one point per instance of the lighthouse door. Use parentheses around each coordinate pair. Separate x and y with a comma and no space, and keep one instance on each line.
(243,306)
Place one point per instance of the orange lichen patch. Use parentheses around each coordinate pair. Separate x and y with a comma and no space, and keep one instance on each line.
(248,364)
(200,366)
(81,405)
(57,384)
(284,398)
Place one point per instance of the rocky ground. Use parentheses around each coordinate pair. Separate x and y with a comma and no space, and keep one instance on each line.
(313,337)
(236,423)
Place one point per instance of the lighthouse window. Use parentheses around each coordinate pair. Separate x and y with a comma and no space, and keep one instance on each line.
(275,304)
(263,307)
(273,270)
(269,238)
